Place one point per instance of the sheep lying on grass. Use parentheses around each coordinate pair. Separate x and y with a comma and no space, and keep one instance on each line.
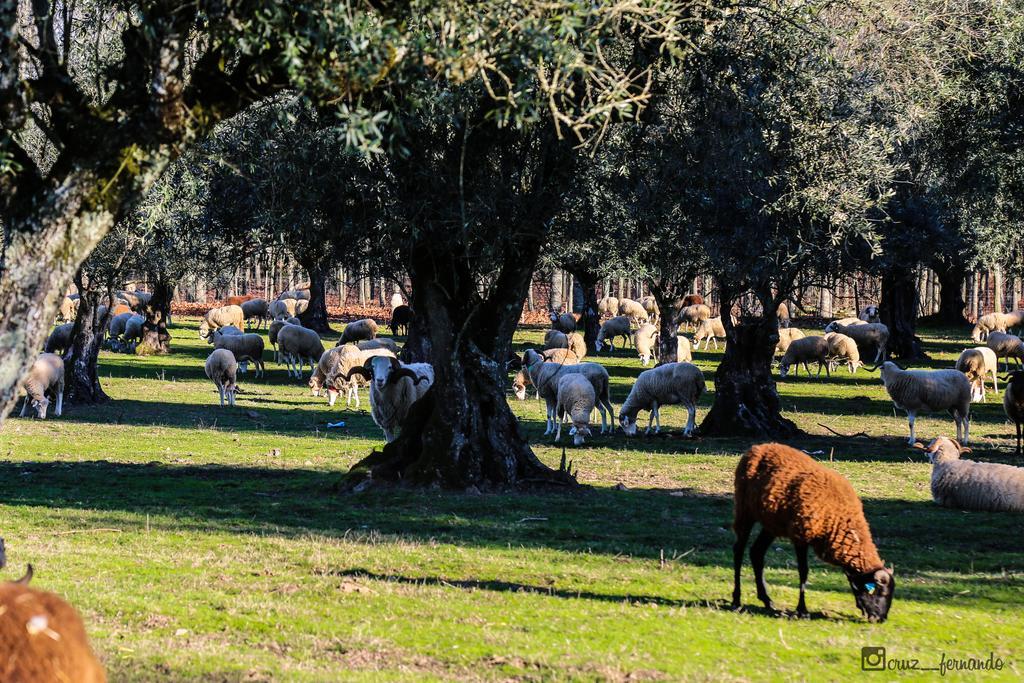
(222,370)
(917,391)
(668,384)
(576,398)
(42,638)
(794,497)
(46,376)
(977,364)
(970,485)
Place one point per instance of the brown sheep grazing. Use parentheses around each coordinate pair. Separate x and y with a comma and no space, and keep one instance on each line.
(42,638)
(794,497)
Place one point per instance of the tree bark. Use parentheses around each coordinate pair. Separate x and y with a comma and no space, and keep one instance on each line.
(464,434)
(951,300)
(898,310)
(669,296)
(590,320)
(155,336)
(746,399)
(315,315)
(555,301)
(82,383)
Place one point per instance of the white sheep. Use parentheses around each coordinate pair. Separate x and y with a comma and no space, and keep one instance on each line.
(352,355)
(804,351)
(645,340)
(281,309)
(668,384)
(522,379)
(693,315)
(272,331)
(69,308)
(917,391)
(397,300)
(116,329)
(222,369)
(619,326)
(575,398)
(609,306)
(358,330)
(256,309)
(379,343)
(867,336)
(977,364)
(786,337)
(633,310)
(133,332)
(394,388)
(995,322)
(246,348)
(709,330)
(650,304)
(845,322)
(330,361)
(683,352)
(869,314)
(545,377)
(1006,346)
(300,294)
(842,348)
(971,485)
(298,346)
(46,376)
(221,317)
(229,330)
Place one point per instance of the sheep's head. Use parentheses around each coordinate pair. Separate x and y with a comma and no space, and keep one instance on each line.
(385,370)
(628,425)
(204,331)
(942,449)
(582,432)
(315,384)
(783,369)
(519,385)
(873,592)
(40,405)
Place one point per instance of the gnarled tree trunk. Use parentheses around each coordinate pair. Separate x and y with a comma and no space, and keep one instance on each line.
(81,364)
(590,321)
(669,296)
(746,399)
(951,299)
(315,316)
(898,310)
(158,313)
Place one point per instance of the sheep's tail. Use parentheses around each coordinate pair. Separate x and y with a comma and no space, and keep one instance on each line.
(27,577)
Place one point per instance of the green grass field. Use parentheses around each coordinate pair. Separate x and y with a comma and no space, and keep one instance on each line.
(212,544)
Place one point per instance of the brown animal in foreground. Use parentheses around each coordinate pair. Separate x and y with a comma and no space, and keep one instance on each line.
(42,638)
(793,496)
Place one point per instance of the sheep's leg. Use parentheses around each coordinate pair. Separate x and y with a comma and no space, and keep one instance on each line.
(742,529)
(691,419)
(24,407)
(757,553)
(558,432)
(60,399)
(650,418)
(911,417)
(966,420)
(801,564)
(220,390)
(1019,435)
(657,419)
(995,382)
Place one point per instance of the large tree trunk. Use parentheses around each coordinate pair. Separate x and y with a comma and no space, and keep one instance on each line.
(746,399)
(669,296)
(315,316)
(155,337)
(898,310)
(464,435)
(590,320)
(81,364)
(951,297)
(555,301)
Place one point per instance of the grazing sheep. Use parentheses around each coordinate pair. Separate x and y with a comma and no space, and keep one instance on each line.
(282,308)
(1013,404)
(394,388)
(645,340)
(256,309)
(46,376)
(867,336)
(272,331)
(683,352)
(842,348)
(59,340)
(609,306)
(845,322)
(68,308)
(575,397)
(545,377)
(634,310)
(229,330)
(330,361)
(971,485)
(928,391)
(221,317)
(564,322)
(869,314)
(804,351)
(358,331)
(522,378)
(42,638)
(992,322)
(116,329)
(553,339)
(1006,346)
(668,384)
(786,337)
(222,369)
(650,304)
(245,347)
(619,326)
(709,330)
(352,355)
(693,315)
(401,317)
(977,364)
(133,332)
(794,497)
(298,346)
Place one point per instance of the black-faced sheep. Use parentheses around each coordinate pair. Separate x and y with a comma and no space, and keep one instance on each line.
(794,497)
(970,485)
(917,391)
(42,638)
(221,317)
(575,398)
(222,370)
(668,384)
(1013,403)
(804,351)
(394,388)
(358,331)
(45,377)
(619,326)
(401,317)
(977,364)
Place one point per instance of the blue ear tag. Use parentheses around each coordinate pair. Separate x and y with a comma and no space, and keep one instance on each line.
(869,587)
